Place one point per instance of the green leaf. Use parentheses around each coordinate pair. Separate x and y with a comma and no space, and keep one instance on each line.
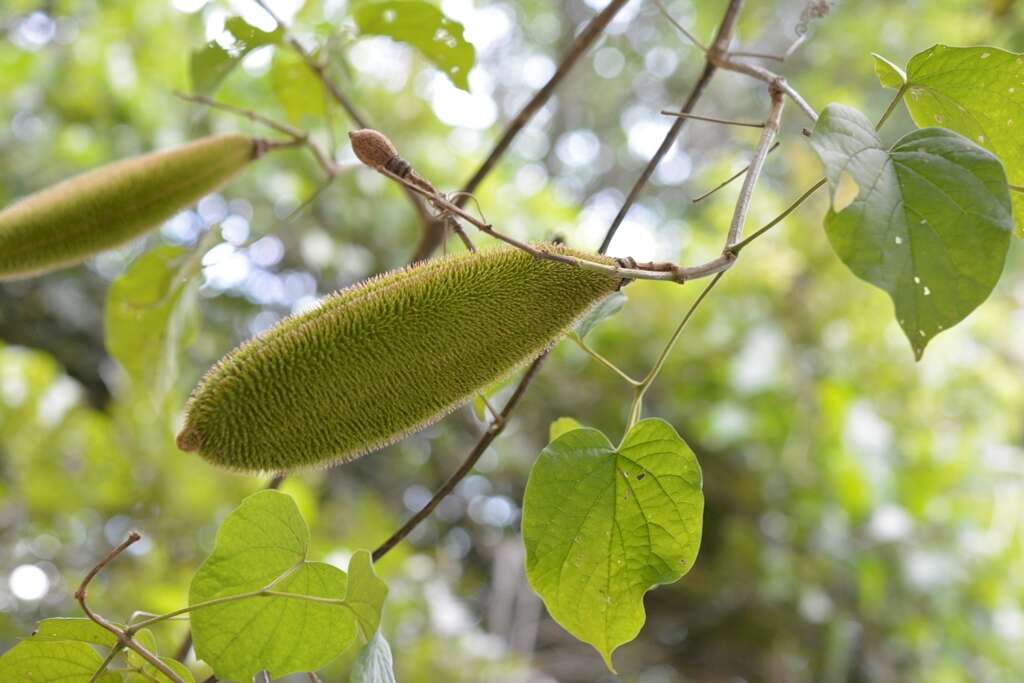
(297,89)
(889,75)
(263,545)
(561,426)
(606,308)
(150,673)
(424,27)
(83,630)
(604,525)
(374,663)
(212,63)
(366,592)
(979,93)
(151,316)
(930,225)
(46,661)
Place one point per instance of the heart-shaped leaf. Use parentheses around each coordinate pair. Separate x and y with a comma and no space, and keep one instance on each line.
(81,629)
(262,546)
(930,223)
(976,91)
(603,525)
(53,661)
(366,592)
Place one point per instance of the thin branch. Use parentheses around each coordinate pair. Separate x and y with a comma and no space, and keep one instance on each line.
(114,652)
(892,107)
(496,427)
(319,70)
(1016,188)
(722,39)
(123,639)
(602,360)
(712,119)
(299,136)
(731,178)
(758,55)
(648,380)
(771,129)
(736,248)
(253,116)
(724,60)
(682,29)
(432,239)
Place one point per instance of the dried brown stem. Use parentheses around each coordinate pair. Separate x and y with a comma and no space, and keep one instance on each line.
(298,136)
(124,638)
(496,427)
(771,129)
(319,69)
(712,119)
(432,239)
(722,38)
(731,178)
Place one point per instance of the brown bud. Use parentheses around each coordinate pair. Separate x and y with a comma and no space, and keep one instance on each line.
(372,147)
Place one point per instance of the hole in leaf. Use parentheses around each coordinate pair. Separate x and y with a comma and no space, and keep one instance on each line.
(846,191)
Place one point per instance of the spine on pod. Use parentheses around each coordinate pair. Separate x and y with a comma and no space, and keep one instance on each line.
(385,358)
(68,222)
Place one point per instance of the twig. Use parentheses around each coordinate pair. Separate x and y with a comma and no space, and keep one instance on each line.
(642,386)
(114,651)
(299,136)
(254,116)
(771,129)
(892,106)
(736,248)
(724,60)
(758,55)
(722,39)
(682,29)
(602,360)
(432,239)
(731,178)
(712,119)
(123,639)
(319,69)
(496,427)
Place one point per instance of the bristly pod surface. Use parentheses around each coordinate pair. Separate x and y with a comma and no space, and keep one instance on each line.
(385,358)
(103,208)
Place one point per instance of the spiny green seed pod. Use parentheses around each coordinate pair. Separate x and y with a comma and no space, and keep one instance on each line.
(68,222)
(384,358)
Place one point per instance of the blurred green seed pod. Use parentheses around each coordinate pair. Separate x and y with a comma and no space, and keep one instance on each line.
(108,206)
(385,358)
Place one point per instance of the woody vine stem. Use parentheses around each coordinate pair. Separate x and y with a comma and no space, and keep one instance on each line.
(448,210)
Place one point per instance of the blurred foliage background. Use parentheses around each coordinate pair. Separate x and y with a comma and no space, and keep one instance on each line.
(863,511)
